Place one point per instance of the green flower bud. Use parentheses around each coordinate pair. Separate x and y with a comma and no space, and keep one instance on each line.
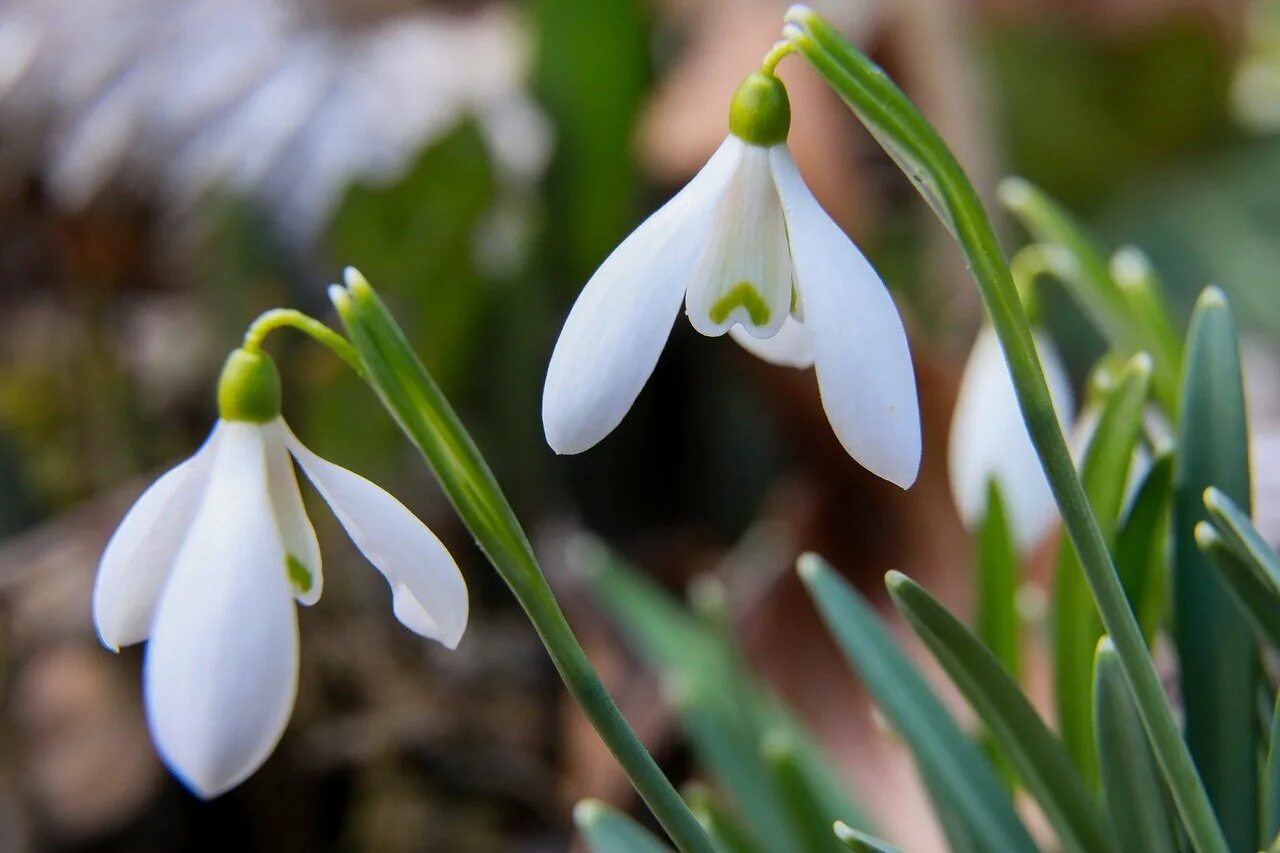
(761,111)
(249,388)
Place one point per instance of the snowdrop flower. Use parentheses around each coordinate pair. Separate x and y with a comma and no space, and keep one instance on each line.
(748,250)
(989,440)
(208,562)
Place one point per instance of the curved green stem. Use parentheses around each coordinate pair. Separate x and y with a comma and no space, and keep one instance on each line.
(915,145)
(425,416)
(775,55)
(280,318)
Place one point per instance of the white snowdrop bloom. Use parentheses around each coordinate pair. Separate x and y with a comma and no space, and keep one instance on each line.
(749,251)
(989,440)
(208,562)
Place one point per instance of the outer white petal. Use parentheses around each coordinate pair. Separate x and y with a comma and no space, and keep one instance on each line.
(296,532)
(141,552)
(616,330)
(430,596)
(791,347)
(746,257)
(989,440)
(860,348)
(222,663)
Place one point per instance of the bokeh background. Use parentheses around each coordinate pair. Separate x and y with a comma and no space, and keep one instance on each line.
(169,168)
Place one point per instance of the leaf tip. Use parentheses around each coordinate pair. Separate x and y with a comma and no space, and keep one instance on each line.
(1206,537)
(1211,297)
(809,566)
(1013,192)
(587,813)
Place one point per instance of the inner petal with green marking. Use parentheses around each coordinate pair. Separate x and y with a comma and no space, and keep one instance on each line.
(744,295)
(299,575)
(744,275)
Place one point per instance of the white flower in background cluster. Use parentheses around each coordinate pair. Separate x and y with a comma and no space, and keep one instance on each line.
(206,565)
(257,96)
(989,440)
(749,251)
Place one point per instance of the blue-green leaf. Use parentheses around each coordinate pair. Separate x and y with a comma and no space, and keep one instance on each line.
(1076,625)
(1241,536)
(1036,754)
(860,842)
(1252,592)
(608,830)
(1271,778)
(1217,653)
(1141,555)
(955,770)
(1135,791)
(996,613)
(723,711)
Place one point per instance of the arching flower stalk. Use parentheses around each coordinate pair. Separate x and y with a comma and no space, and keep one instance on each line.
(207,564)
(749,251)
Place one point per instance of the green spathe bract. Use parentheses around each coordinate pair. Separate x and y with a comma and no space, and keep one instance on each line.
(249,388)
(760,113)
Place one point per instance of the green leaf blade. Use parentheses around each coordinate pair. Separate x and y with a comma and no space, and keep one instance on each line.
(1217,653)
(1036,754)
(607,830)
(1135,793)
(956,772)
(1076,624)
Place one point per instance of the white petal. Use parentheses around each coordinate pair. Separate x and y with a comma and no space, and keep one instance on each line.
(744,275)
(222,663)
(400,546)
(989,440)
(296,532)
(859,345)
(616,330)
(141,552)
(791,347)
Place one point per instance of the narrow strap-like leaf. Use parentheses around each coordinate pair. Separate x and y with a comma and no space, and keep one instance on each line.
(1036,754)
(1252,592)
(723,828)
(1141,557)
(1271,778)
(1217,651)
(1088,278)
(1241,536)
(996,612)
(955,770)
(1076,626)
(860,842)
(607,830)
(1135,791)
(805,809)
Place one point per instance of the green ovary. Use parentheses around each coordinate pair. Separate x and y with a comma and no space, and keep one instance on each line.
(745,295)
(299,574)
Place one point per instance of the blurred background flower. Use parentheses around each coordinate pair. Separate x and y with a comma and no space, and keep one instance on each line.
(168,168)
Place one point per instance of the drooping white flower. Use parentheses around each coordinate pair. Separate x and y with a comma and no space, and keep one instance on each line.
(989,440)
(208,562)
(749,251)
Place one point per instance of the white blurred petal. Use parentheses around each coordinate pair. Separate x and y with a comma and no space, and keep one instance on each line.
(791,347)
(296,532)
(616,330)
(222,663)
(141,553)
(860,348)
(400,546)
(989,440)
(744,275)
